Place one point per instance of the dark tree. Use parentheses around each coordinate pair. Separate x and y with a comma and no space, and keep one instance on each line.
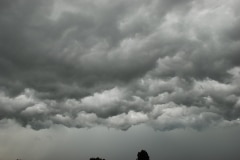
(96,158)
(142,155)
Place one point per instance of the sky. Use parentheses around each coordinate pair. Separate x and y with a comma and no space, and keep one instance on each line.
(107,78)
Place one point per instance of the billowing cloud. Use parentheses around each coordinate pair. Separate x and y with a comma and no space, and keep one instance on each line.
(168,64)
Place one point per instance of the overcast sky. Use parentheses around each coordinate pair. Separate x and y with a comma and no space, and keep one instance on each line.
(85,78)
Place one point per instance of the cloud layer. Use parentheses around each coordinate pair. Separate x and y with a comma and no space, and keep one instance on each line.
(168,64)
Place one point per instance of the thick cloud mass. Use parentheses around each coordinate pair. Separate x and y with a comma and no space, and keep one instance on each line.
(78,63)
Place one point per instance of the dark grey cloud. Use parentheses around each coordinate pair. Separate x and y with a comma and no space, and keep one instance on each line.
(168,64)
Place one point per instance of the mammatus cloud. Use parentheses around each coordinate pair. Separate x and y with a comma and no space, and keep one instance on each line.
(167,64)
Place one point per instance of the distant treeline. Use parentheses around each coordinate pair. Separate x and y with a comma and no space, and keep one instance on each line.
(142,155)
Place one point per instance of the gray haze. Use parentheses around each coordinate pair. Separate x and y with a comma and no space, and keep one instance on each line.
(60,143)
(165,68)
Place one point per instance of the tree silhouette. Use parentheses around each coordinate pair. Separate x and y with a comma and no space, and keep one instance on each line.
(142,155)
(96,158)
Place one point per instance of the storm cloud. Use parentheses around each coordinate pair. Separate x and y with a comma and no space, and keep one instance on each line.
(78,63)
